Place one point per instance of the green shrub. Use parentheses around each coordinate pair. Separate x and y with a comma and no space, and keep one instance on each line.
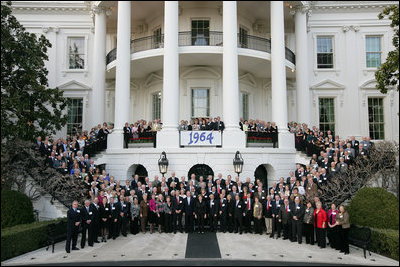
(16,208)
(24,238)
(385,242)
(376,208)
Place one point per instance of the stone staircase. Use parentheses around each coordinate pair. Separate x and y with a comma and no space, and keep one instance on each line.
(48,208)
(302,158)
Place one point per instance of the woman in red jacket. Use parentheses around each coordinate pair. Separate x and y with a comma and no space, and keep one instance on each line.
(320,225)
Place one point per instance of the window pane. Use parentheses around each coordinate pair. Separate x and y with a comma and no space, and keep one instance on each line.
(200,102)
(75,113)
(327,115)
(376,118)
(76,52)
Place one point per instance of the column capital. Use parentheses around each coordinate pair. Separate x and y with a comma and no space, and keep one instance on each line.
(304,9)
(97,10)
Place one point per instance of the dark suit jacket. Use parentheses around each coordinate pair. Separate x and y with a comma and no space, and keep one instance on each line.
(170,180)
(72,218)
(87,215)
(299,213)
(238,209)
(115,211)
(189,209)
(215,208)
(178,205)
(285,216)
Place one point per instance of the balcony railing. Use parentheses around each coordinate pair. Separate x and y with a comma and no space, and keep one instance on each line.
(212,39)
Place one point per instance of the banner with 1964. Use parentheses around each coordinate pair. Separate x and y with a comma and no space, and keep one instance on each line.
(200,138)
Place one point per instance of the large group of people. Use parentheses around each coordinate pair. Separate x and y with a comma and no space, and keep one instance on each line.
(288,209)
(72,154)
(291,208)
(140,129)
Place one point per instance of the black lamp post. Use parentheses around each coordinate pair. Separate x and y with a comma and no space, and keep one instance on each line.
(163,163)
(238,163)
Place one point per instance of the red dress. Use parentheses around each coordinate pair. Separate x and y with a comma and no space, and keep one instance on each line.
(321,218)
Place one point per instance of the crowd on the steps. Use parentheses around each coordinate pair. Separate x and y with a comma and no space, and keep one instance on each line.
(290,208)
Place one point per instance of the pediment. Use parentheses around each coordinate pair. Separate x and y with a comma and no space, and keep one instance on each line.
(248,79)
(73,85)
(153,79)
(328,84)
(200,73)
(370,84)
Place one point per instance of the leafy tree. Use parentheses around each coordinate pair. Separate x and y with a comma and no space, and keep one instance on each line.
(28,108)
(387,74)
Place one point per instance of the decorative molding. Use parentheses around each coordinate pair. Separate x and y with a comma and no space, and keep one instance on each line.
(152,79)
(345,28)
(327,84)
(248,79)
(73,85)
(45,29)
(202,73)
(56,29)
(351,5)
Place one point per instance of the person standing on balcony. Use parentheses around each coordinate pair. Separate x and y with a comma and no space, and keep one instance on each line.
(274,132)
(127,134)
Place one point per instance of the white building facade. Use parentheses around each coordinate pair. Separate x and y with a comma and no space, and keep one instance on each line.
(282,61)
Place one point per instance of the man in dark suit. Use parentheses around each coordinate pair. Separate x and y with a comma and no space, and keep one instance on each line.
(248,213)
(73,221)
(298,211)
(173,178)
(276,224)
(354,143)
(188,211)
(177,204)
(238,214)
(218,124)
(213,209)
(87,224)
(223,212)
(285,216)
(135,181)
(127,134)
(96,220)
(113,219)
(124,214)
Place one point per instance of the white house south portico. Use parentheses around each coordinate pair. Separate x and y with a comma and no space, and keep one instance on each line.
(120,160)
(278,61)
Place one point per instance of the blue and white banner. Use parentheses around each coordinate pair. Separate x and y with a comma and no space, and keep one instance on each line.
(200,138)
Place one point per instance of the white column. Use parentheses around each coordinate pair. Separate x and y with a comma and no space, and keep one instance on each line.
(122,78)
(302,87)
(99,66)
(232,136)
(278,75)
(169,135)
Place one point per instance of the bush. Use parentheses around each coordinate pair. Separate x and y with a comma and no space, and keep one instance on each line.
(24,238)
(16,208)
(385,242)
(375,208)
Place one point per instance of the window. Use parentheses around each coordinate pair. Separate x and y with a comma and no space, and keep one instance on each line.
(243,41)
(244,105)
(375,118)
(156,106)
(373,51)
(200,102)
(76,52)
(75,111)
(324,52)
(327,115)
(200,32)
(157,38)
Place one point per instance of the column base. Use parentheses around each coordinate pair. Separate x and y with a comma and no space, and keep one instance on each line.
(233,139)
(168,139)
(115,140)
(286,140)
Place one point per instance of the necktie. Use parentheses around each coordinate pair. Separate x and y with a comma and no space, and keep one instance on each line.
(267,205)
(218,190)
(248,204)
(286,209)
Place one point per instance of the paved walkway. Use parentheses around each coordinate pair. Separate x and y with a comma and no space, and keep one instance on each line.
(160,249)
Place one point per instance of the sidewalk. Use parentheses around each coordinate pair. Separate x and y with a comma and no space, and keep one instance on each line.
(160,248)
